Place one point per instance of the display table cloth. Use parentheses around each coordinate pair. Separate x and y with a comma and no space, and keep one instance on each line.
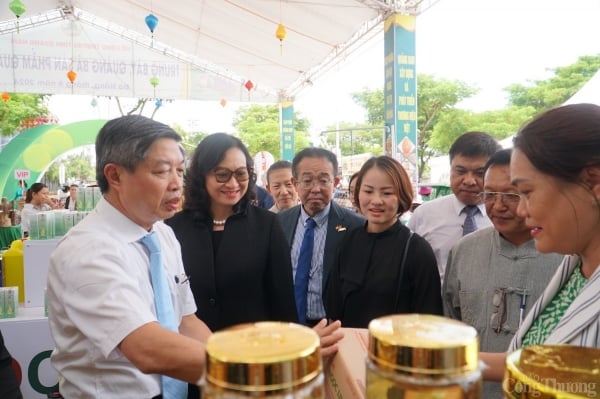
(8,235)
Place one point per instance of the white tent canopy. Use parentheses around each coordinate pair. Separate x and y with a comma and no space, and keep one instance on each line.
(589,93)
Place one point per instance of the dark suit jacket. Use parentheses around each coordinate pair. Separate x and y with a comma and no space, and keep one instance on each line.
(248,278)
(338,216)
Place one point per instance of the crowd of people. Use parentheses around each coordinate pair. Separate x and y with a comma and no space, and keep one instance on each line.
(513,251)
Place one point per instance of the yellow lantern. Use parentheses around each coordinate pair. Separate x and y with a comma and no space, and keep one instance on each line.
(280,33)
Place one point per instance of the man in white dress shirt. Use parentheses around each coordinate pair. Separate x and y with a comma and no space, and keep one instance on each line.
(109,343)
(441,221)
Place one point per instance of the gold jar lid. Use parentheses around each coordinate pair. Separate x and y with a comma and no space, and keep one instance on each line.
(423,345)
(265,356)
(552,372)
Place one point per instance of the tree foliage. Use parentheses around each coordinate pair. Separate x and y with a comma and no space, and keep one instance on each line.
(353,139)
(440,122)
(545,94)
(189,140)
(19,108)
(79,168)
(258,127)
(435,97)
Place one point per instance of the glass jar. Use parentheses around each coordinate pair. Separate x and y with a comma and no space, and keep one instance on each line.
(552,372)
(266,359)
(422,356)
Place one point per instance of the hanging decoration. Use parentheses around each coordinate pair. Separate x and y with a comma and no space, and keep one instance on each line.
(18,8)
(223,102)
(158,103)
(154,81)
(94,102)
(151,22)
(249,86)
(71,75)
(280,33)
(5,96)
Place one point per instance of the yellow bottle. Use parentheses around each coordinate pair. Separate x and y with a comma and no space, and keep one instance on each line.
(12,263)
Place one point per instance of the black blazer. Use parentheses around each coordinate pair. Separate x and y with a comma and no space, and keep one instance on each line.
(339,222)
(248,278)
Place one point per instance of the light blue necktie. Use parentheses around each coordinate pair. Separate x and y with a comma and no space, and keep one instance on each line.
(303,269)
(469,225)
(171,387)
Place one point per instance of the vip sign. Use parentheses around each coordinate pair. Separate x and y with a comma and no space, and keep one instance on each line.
(22,174)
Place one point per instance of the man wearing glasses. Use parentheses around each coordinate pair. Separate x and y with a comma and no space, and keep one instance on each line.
(494,274)
(314,228)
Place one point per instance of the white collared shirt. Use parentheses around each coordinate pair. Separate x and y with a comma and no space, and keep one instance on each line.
(440,222)
(99,291)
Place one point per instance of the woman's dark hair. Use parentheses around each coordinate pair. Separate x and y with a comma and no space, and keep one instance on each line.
(562,141)
(207,156)
(400,180)
(35,188)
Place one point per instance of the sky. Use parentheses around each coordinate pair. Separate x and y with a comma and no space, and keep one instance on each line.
(489,44)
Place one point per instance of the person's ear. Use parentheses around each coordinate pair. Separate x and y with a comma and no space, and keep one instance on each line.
(112,172)
(591,177)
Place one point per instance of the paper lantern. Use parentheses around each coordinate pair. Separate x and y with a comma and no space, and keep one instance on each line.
(223,102)
(158,103)
(5,96)
(280,33)
(248,85)
(151,22)
(18,8)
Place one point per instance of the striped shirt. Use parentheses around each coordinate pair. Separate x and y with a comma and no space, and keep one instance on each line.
(314,305)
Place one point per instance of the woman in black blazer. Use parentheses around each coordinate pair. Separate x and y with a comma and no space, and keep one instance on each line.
(234,253)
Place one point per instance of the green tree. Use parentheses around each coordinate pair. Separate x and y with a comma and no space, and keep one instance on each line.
(435,98)
(500,124)
(79,167)
(18,108)
(258,127)
(545,94)
(189,140)
(354,139)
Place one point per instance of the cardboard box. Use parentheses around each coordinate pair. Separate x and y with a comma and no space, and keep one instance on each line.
(346,374)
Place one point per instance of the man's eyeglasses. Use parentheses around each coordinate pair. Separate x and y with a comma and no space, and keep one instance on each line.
(499,314)
(223,175)
(489,197)
(309,183)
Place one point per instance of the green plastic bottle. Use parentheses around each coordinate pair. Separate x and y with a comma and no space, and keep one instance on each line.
(14,273)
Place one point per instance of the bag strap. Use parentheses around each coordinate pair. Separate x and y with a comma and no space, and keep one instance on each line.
(401,271)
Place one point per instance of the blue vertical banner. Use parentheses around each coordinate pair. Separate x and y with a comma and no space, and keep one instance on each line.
(287,130)
(400,91)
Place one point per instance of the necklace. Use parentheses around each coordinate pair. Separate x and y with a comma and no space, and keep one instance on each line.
(219,222)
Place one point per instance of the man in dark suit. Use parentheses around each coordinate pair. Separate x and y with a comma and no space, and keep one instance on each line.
(315,177)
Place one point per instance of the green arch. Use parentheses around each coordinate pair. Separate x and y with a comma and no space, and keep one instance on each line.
(35,149)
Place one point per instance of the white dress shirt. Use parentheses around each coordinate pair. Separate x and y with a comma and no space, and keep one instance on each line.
(440,222)
(99,291)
